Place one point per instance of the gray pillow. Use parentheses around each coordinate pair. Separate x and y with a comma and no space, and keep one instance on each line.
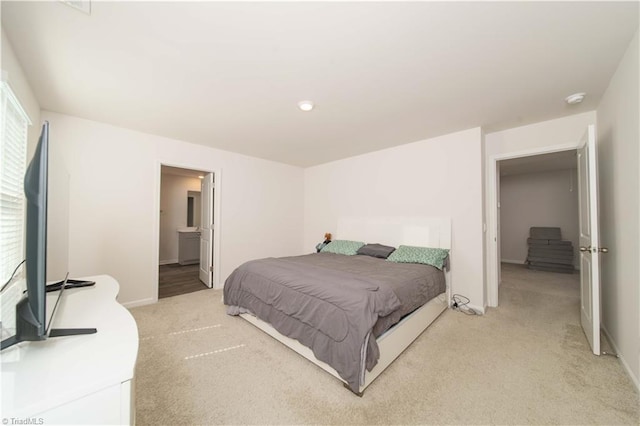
(376,250)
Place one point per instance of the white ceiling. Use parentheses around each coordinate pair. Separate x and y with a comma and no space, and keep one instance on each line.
(177,171)
(539,163)
(230,74)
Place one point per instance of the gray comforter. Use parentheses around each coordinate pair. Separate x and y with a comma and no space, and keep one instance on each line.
(332,303)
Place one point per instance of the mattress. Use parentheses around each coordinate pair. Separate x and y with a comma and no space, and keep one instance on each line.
(333,304)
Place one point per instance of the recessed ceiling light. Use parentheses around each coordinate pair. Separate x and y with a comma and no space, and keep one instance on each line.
(576,98)
(200,177)
(305,105)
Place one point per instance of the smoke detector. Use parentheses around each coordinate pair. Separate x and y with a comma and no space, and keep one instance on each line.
(576,98)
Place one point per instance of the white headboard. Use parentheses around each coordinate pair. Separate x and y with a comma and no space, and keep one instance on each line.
(394,231)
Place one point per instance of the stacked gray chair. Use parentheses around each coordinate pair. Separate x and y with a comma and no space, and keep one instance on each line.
(548,252)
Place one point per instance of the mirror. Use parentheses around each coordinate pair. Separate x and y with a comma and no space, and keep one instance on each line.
(193,208)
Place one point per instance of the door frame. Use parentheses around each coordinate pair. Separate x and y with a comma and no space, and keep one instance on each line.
(217,174)
(493,237)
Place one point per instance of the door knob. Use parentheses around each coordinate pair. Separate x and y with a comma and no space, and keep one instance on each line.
(594,250)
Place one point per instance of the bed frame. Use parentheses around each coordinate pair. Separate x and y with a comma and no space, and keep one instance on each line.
(417,231)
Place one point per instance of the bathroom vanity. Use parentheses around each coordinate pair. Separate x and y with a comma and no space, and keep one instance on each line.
(188,246)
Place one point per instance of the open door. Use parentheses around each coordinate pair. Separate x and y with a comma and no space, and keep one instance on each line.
(589,239)
(206,231)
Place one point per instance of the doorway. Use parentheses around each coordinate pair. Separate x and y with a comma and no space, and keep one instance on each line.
(540,192)
(589,235)
(533,161)
(538,212)
(187,202)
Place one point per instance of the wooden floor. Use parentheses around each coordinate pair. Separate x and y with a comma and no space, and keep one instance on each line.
(175,279)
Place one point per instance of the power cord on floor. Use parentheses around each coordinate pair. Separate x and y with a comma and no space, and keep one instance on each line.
(459,303)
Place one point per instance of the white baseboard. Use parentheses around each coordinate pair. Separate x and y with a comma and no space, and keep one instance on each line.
(140,302)
(633,378)
(167,262)
(478,309)
(517,262)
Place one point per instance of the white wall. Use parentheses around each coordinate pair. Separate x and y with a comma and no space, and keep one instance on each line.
(537,199)
(173,212)
(434,177)
(619,158)
(57,233)
(114,202)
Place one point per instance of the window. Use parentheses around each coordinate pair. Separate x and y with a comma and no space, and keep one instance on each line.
(13,139)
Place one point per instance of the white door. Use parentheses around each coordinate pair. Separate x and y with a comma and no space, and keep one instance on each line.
(206,231)
(589,239)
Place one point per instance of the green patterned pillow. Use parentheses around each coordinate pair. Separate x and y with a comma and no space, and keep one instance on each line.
(429,256)
(350,248)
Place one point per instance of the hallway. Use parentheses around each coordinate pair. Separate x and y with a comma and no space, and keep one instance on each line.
(175,279)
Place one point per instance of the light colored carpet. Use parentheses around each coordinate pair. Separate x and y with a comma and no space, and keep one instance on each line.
(526,362)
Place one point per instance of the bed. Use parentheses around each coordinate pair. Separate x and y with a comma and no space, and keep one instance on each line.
(350,315)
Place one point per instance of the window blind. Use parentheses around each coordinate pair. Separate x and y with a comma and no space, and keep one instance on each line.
(13,138)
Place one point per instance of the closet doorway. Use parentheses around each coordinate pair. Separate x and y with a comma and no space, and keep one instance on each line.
(531,161)
(540,191)
(186,243)
(587,218)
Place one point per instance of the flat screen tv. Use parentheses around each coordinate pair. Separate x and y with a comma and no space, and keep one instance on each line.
(31,310)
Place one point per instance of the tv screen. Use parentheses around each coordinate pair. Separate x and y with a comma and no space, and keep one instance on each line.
(31,310)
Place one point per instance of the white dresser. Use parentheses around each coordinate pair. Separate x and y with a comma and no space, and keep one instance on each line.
(85,379)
